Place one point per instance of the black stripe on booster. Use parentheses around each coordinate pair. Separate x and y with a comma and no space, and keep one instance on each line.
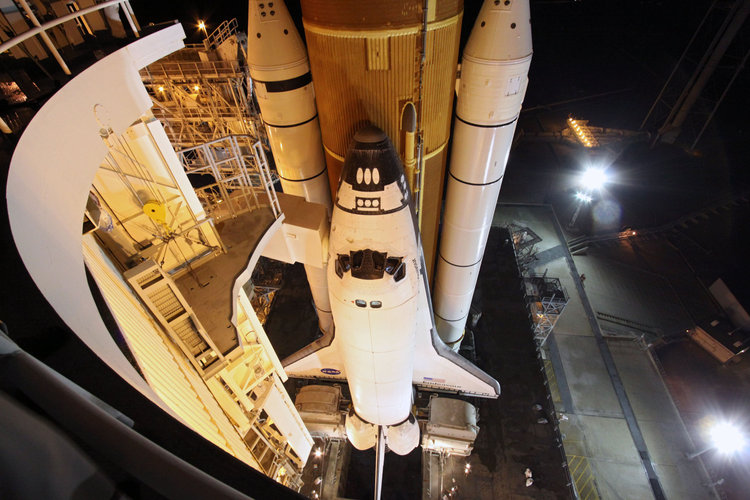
(290,84)
(293,124)
(304,180)
(458,265)
(486,126)
(473,183)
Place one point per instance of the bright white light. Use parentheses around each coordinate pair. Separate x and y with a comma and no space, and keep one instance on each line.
(594,178)
(727,438)
(583,197)
(318,453)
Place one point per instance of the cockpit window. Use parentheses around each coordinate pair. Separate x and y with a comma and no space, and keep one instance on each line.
(343,264)
(400,272)
(378,261)
(357,259)
(369,265)
(391,263)
(396,268)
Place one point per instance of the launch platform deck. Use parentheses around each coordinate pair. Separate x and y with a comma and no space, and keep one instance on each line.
(209,288)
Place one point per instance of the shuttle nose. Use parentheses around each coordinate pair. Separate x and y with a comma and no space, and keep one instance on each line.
(369,134)
(371,170)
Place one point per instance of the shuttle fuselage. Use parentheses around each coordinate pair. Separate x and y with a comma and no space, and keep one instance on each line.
(373,278)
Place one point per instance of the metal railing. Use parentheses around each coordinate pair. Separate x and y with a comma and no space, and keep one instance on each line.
(225,30)
(41,29)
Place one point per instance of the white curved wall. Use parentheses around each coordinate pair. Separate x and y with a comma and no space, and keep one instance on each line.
(51,174)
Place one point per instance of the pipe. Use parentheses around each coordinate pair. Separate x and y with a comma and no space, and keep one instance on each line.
(39,29)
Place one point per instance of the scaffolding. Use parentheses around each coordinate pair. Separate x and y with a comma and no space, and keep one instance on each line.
(545,297)
(230,176)
(201,96)
(201,92)
(524,245)
(546,300)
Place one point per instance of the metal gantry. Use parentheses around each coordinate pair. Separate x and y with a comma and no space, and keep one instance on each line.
(524,245)
(229,174)
(708,67)
(546,299)
(201,92)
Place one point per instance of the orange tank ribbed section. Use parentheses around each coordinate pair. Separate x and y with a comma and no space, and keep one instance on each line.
(365,60)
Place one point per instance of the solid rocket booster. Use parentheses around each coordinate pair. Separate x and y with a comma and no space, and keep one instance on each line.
(373,280)
(494,76)
(283,85)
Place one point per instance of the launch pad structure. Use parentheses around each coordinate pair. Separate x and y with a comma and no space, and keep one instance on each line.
(184,166)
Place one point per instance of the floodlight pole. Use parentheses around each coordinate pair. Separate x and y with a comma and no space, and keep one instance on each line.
(691,456)
(584,198)
(575,214)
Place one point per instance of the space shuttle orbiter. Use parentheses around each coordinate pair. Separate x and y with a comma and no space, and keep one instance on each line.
(384,340)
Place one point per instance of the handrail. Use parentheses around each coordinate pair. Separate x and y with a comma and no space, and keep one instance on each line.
(51,24)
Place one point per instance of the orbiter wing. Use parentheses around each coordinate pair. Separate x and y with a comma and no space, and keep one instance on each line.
(436,366)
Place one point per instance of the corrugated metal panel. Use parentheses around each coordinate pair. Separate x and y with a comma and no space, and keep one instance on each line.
(439,79)
(339,13)
(377,54)
(171,377)
(350,93)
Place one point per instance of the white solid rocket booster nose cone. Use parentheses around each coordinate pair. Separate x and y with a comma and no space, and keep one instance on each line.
(274,47)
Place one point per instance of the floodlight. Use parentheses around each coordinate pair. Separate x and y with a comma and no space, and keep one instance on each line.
(583,197)
(727,437)
(593,179)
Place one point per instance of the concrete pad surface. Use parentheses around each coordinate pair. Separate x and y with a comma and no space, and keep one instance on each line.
(608,439)
(633,294)
(619,481)
(588,380)
(645,389)
(667,444)
(679,483)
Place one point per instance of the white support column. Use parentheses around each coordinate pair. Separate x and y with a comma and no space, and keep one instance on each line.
(45,37)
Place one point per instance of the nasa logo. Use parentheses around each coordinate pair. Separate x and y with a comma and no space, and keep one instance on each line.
(330,371)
